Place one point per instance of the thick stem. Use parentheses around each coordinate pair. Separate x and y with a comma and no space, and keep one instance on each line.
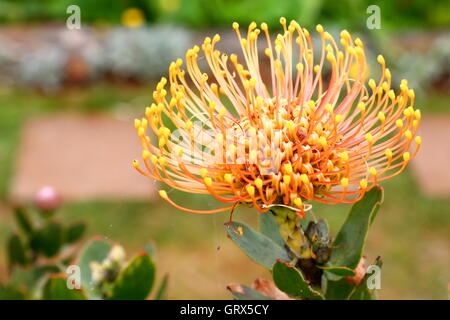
(301,248)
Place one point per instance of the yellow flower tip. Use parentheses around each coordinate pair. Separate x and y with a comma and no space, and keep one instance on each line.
(264,26)
(288,168)
(287,179)
(345,35)
(137,124)
(135,163)
(235,25)
(391,94)
(319,28)
(250,190)
(141,132)
(258,183)
(298,202)
(163,194)
(380,59)
(344,156)
(373,171)
(387,73)
(189,125)
(162,142)
(406,156)
(372,84)
(399,123)
(283,21)
(418,114)
(222,111)
(411,93)
(329,107)
(162,161)
(361,106)
(358,42)
(304,178)
(228,177)
(339,118)
(381,116)
(369,138)
(388,153)
(418,140)
(145,154)
(203,172)
(408,134)
(344,182)
(363,184)
(207,181)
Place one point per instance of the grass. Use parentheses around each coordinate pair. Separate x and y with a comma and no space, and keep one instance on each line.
(410,231)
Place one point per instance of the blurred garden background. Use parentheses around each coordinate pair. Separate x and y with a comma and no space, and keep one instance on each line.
(68,99)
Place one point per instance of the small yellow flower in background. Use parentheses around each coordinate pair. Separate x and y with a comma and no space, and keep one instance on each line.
(170,5)
(133,18)
(295,138)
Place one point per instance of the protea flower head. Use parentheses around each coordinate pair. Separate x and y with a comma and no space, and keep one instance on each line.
(304,135)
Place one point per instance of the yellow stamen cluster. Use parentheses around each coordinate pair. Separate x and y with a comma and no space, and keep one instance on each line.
(284,140)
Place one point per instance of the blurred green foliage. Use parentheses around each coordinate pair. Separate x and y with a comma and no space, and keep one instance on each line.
(202,13)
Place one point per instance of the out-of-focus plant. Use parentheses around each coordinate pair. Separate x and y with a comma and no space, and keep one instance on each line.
(281,142)
(427,68)
(39,246)
(144,53)
(45,261)
(46,61)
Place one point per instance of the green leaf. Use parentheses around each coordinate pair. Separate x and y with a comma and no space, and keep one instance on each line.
(248,294)
(136,280)
(362,291)
(96,250)
(349,243)
(9,292)
(56,289)
(339,271)
(16,251)
(23,220)
(74,232)
(338,290)
(48,240)
(29,277)
(162,291)
(269,227)
(256,245)
(291,281)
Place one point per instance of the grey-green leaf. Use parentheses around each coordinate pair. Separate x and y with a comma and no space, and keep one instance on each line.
(291,281)
(270,228)
(248,294)
(350,241)
(95,251)
(256,245)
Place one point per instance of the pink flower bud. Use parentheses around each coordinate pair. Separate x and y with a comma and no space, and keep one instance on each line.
(47,199)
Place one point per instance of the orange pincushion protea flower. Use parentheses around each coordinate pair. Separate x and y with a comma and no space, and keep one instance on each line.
(302,136)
